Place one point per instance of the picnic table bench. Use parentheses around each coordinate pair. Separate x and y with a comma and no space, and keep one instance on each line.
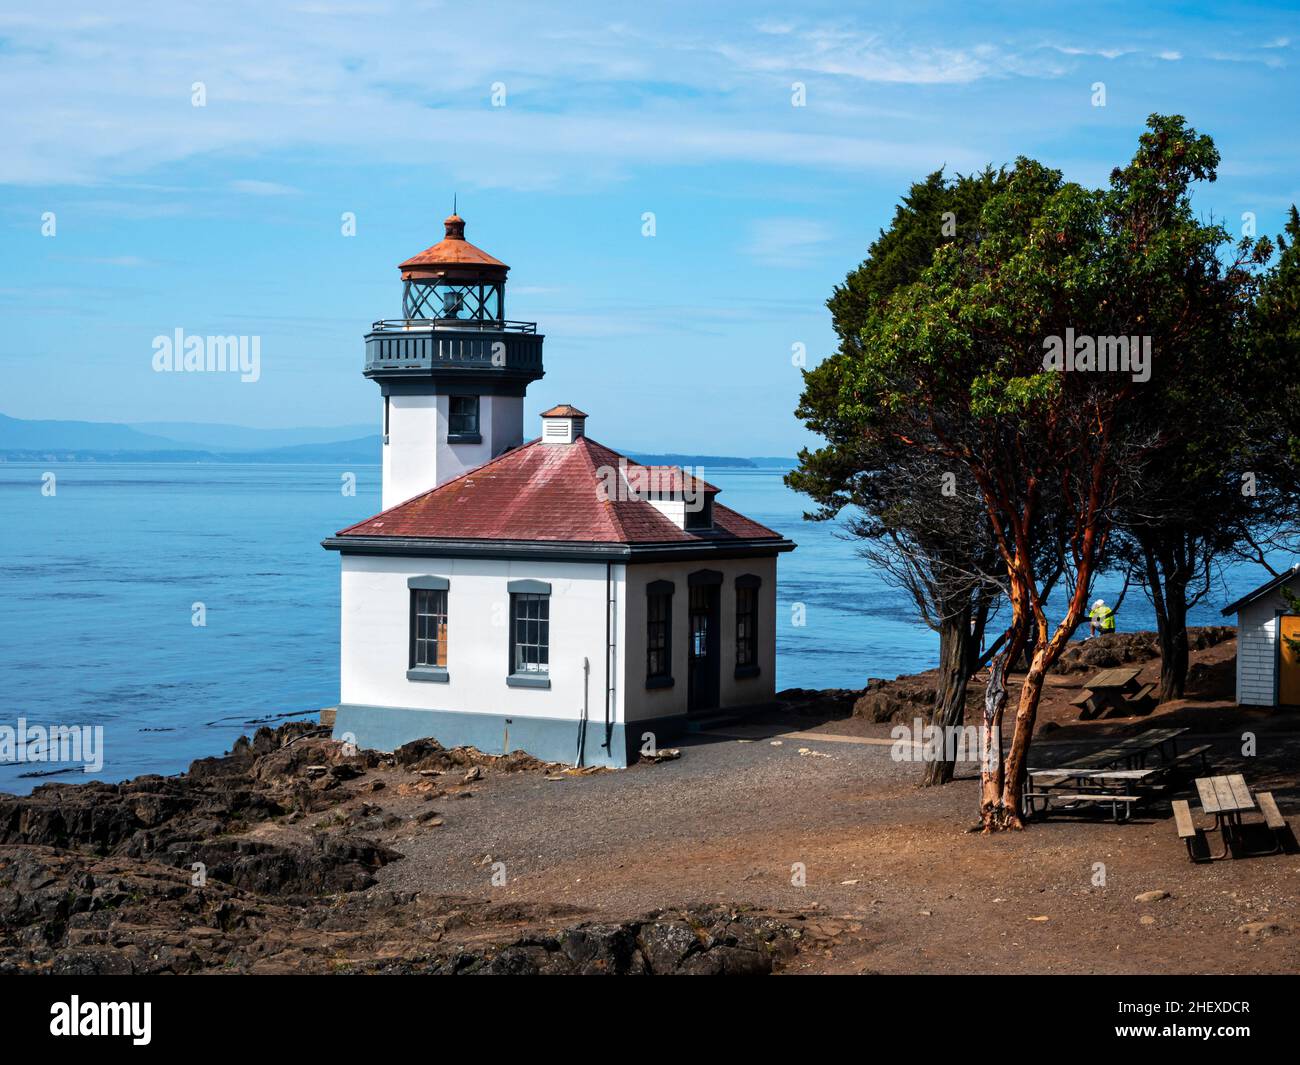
(1117,776)
(1115,693)
(1073,787)
(1133,751)
(1226,798)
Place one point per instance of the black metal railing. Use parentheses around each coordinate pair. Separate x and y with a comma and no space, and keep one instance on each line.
(450,346)
(427,325)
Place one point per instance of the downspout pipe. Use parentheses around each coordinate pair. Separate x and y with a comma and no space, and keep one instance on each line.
(609,583)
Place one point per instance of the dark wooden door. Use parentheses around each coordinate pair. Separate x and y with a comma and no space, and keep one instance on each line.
(703,653)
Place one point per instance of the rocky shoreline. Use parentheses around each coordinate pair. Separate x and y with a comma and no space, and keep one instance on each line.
(270,859)
(259,861)
(906,697)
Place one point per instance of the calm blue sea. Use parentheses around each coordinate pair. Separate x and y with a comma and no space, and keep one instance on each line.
(101,577)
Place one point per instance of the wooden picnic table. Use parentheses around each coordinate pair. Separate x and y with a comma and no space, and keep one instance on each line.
(1070,787)
(1117,775)
(1226,798)
(1114,692)
(1103,777)
(1133,751)
(1121,678)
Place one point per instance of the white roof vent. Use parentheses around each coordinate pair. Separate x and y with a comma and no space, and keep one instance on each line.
(563,424)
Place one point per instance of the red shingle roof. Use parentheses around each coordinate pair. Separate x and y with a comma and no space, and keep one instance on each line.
(564,410)
(548,492)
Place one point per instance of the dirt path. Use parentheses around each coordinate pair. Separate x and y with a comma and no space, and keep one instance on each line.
(915,892)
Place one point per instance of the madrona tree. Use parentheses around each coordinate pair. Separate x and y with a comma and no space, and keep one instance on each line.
(1025,360)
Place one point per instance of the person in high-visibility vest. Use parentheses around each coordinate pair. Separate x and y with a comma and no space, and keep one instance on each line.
(1101,618)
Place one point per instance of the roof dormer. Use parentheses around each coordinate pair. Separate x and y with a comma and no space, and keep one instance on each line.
(682,498)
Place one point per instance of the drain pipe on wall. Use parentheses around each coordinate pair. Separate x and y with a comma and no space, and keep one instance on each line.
(609,588)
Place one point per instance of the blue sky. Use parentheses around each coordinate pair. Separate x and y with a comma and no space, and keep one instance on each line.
(225,219)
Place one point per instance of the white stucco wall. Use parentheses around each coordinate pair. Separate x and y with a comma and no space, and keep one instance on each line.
(375,636)
(417,456)
(642,703)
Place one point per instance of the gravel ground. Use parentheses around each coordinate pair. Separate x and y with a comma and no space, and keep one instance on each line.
(909,887)
(733,787)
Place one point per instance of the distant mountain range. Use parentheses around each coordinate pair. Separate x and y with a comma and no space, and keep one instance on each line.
(71,441)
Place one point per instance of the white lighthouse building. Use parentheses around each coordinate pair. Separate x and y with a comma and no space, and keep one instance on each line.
(551,595)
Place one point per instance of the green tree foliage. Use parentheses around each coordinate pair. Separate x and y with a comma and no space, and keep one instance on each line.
(970,365)
(919,526)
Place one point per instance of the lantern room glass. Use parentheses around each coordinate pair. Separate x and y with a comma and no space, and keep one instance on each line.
(444,300)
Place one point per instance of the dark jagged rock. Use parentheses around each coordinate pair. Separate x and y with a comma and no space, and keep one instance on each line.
(330,865)
(218,870)
(62,912)
(1124,648)
(711,941)
(430,754)
(896,700)
(197,816)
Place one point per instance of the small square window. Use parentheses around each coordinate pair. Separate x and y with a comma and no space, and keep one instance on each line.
(462,419)
(699,515)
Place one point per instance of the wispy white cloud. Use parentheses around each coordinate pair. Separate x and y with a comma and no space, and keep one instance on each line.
(868,57)
(789,242)
(1103,52)
(100,96)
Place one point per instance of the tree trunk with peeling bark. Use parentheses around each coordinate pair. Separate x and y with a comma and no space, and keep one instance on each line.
(995,700)
(956,646)
(1046,652)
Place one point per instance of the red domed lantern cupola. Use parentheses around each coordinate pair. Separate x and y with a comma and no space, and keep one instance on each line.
(454,280)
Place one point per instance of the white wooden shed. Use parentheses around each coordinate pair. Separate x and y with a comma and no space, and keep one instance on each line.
(1268,667)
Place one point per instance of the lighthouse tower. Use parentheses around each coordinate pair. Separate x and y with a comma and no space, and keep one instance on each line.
(452,370)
